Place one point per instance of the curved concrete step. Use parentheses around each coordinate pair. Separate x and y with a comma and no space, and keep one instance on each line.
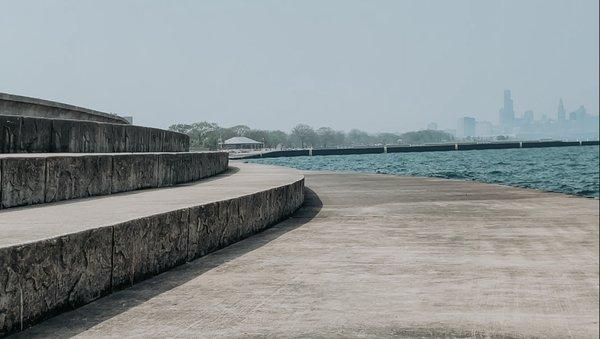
(11,104)
(40,135)
(59,256)
(29,179)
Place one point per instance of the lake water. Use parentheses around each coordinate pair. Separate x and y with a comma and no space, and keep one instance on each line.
(570,170)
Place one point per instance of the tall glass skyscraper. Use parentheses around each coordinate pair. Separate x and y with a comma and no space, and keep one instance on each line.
(562,113)
(507,112)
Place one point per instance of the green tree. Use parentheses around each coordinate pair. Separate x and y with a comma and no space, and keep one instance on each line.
(358,138)
(426,136)
(339,138)
(387,138)
(326,136)
(203,135)
(240,130)
(278,138)
(305,134)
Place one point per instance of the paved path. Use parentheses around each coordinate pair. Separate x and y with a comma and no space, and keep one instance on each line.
(376,255)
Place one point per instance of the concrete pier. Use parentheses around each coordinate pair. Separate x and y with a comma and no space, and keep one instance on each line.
(376,256)
(468,146)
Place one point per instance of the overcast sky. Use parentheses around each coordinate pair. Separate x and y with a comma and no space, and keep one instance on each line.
(375,65)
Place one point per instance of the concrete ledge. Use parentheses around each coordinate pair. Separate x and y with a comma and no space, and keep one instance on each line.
(425,148)
(84,249)
(413,148)
(29,179)
(44,278)
(343,151)
(540,144)
(25,106)
(41,135)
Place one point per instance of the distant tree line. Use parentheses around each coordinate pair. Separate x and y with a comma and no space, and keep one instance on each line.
(206,135)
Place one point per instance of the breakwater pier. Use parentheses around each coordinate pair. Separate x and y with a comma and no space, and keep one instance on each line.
(413,148)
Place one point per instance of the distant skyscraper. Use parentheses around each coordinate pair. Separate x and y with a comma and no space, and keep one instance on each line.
(562,113)
(528,116)
(432,126)
(466,127)
(507,113)
(578,114)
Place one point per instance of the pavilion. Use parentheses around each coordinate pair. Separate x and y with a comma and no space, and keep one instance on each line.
(241,143)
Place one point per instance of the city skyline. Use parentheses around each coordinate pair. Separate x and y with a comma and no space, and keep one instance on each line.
(577,124)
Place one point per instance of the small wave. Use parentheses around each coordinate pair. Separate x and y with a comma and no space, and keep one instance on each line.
(451,175)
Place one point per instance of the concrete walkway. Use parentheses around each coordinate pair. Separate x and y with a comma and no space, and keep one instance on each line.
(376,255)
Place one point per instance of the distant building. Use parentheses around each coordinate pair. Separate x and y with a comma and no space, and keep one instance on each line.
(562,113)
(507,112)
(528,117)
(466,127)
(452,132)
(129,118)
(484,129)
(432,126)
(241,143)
(578,114)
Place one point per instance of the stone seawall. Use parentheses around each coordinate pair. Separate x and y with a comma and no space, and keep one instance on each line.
(30,179)
(40,135)
(25,106)
(425,148)
(415,148)
(46,277)
(342,151)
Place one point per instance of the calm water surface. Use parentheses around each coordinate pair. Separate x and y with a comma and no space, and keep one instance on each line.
(570,170)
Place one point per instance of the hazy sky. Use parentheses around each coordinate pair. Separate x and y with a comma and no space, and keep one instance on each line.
(375,65)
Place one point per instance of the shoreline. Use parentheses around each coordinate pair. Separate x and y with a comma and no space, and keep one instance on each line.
(499,183)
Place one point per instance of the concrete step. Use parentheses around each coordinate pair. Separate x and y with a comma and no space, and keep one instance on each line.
(21,134)
(11,104)
(29,179)
(59,256)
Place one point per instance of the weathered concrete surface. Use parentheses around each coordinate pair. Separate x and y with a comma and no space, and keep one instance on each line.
(23,180)
(74,136)
(72,177)
(58,256)
(148,246)
(10,129)
(43,278)
(383,256)
(29,179)
(175,170)
(41,135)
(134,171)
(11,104)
